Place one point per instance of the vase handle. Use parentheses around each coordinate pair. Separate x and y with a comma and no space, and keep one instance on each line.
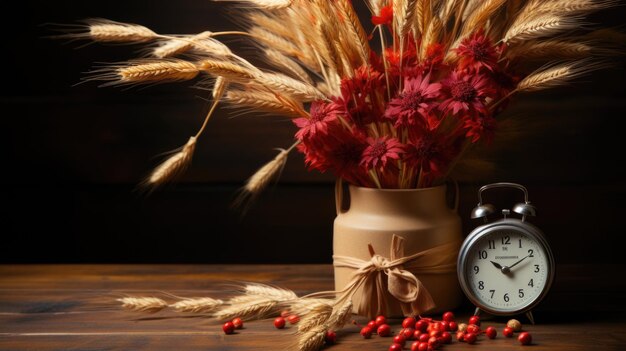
(339,197)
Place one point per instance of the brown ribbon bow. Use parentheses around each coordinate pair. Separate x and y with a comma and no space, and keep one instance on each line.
(402,284)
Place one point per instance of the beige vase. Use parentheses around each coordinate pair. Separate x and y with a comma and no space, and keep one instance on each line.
(420,216)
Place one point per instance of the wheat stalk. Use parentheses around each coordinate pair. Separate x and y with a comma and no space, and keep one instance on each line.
(541,26)
(270,291)
(266,4)
(281,61)
(481,15)
(284,84)
(143,304)
(256,309)
(178,46)
(317,315)
(149,71)
(109,31)
(271,24)
(173,166)
(226,69)
(548,49)
(355,29)
(547,78)
(274,41)
(261,179)
(341,315)
(312,339)
(197,305)
(260,101)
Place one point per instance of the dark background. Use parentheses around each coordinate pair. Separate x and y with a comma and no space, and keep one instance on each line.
(72,157)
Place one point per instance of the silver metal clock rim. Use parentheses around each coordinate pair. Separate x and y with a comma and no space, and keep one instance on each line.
(503,224)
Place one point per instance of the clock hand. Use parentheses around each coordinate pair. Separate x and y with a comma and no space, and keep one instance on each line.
(496,264)
(516,263)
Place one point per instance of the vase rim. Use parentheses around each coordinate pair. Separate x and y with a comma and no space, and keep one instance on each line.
(362,188)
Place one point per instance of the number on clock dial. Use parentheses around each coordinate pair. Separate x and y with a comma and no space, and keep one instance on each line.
(506,290)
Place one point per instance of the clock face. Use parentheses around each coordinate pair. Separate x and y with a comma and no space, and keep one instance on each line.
(507,270)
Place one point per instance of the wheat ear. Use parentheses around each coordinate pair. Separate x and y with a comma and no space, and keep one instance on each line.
(289,65)
(173,166)
(265,4)
(262,178)
(270,291)
(150,71)
(541,26)
(110,31)
(550,77)
(260,102)
(284,84)
(226,69)
(312,339)
(481,15)
(143,304)
(318,315)
(197,305)
(178,46)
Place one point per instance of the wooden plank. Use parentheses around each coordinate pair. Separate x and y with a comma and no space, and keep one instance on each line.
(51,307)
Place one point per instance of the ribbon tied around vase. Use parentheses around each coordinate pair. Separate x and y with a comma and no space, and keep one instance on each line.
(401,271)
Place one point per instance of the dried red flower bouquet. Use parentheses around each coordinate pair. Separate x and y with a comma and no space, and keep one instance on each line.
(398,117)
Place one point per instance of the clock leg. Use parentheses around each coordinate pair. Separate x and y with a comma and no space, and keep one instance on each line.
(530,317)
(477,311)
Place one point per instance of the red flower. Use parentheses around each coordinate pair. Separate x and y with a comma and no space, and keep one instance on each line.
(340,153)
(385,16)
(322,116)
(465,92)
(480,127)
(380,152)
(358,96)
(430,153)
(412,107)
(476,52)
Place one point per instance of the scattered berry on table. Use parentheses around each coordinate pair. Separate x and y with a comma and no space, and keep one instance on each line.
(228,328)
(293,319)
(514,324)
(525,338)
(238,323)
(470,338)
(384,330)
(366,332)
(474,320)
(408,322)
(448,317)
(331,337)
(491,332)
(395,347)
(380,320)
(279,322)
(508,332)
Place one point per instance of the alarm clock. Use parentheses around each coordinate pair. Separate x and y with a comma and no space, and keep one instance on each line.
(505,267)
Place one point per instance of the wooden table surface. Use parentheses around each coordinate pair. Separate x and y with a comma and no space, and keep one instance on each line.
(72,307)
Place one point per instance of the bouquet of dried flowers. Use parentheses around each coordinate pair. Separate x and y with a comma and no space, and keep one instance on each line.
(400,116)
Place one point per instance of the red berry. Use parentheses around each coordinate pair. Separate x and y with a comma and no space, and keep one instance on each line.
(228,328)
(460,336)
(285,313)
(445,326)
(424,337)
(279,322)
(380,320)
(525,338)
(421,325)
(293,319)
(383,330)
(238,323)
(408,333)
(331,337)
(453,326)
(395,347)
(491,332)
(508,332)
(446,337)
(399,339)
(415,346)
(416,334)
(423,346)
(366,332)
(372,325)
(435,333)
(448,317)
(437,326)
(473,328)
(433,342)
(470,338)
(474,320)
(408,322)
